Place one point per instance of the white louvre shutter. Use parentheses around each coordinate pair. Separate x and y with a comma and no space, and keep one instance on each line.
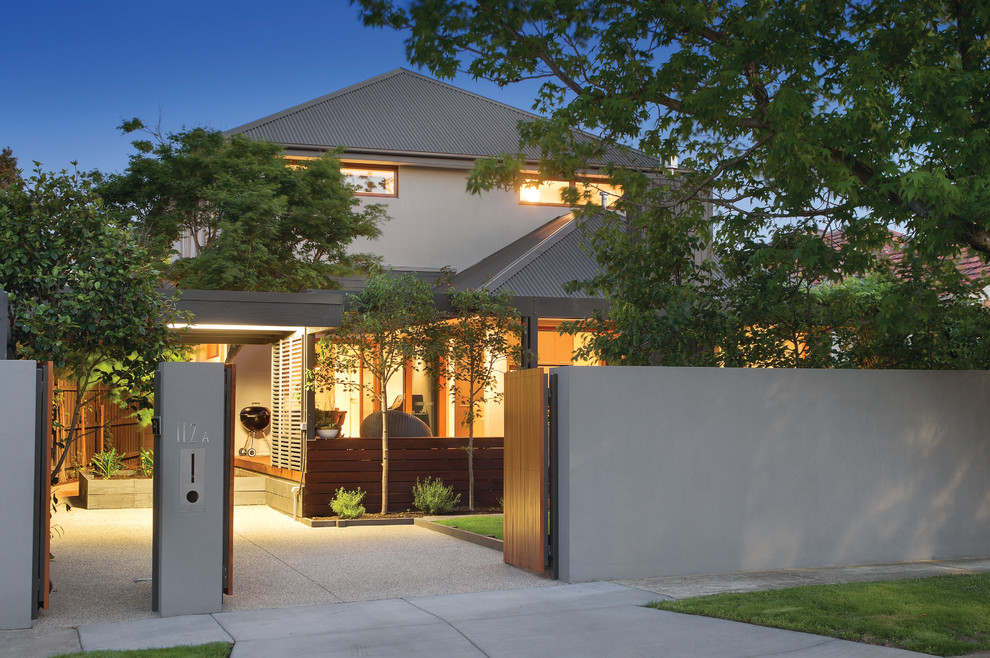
(287,399)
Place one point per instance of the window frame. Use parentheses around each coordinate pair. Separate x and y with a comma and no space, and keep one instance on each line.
(572,184)
(374,167)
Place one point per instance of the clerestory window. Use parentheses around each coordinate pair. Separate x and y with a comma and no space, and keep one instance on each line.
(553,193)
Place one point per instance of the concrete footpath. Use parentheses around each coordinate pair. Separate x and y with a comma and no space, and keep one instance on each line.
(403,591)
(593,619)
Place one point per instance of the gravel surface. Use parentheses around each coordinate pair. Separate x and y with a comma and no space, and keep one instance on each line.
(278,563)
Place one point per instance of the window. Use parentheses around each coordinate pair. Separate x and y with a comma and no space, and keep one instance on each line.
(548,193)
(372,181)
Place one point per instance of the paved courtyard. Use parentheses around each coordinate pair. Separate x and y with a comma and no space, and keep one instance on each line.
(102,566)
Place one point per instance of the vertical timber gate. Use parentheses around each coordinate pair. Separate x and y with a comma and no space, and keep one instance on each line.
(43,497)
(528,473)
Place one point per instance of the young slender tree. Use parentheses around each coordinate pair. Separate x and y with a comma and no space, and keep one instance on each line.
(482,332)
(383,329)
(83,293)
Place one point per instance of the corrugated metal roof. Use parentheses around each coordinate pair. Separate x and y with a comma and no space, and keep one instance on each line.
(405,112)
(537,264)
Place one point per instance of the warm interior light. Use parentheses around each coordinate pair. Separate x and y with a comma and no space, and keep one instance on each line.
(530,193)
(234,327)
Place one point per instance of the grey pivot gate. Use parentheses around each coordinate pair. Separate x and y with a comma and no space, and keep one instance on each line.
(25,434)
(191,545)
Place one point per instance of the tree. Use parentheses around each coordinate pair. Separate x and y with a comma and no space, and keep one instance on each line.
(810,117)
(83,293)
(483,330)
(9,173)
(254,223)
(383,329)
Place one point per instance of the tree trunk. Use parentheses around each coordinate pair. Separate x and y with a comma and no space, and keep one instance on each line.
(470,452)
(232,350)
(384,463)
(384,451)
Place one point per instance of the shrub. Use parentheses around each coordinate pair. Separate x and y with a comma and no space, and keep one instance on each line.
(434,497)
(147,466)
(347,504)
(107,463)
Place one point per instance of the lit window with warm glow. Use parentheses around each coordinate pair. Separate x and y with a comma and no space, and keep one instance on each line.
(371,181)
(600,193)
(549,193)
(546,193)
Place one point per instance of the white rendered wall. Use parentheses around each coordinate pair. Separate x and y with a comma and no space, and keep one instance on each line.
(254,384)
(436,222)
(672,471)
(17,472)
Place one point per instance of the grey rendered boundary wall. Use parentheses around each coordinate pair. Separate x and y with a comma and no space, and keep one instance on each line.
(673,471)
(17,473)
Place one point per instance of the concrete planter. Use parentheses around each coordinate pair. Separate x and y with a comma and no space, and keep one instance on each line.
(121,493)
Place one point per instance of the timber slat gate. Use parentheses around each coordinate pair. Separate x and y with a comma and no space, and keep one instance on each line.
(353,463)
(526,486)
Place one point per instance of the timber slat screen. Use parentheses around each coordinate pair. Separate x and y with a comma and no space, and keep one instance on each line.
(525,469)
(353,463)
(126,434)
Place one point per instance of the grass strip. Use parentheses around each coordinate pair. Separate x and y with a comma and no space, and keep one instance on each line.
(211,650)
(942,615)
(489,526)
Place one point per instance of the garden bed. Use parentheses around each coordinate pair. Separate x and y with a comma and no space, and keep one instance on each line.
(474,538)
(125,491)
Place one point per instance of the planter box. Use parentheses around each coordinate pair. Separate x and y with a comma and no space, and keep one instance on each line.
(128,493)
(122,493)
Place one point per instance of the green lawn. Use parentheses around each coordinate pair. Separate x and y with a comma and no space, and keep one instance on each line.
(212,650)
(490,526)
(944,615)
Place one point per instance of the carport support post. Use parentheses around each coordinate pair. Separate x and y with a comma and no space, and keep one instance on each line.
(531,341)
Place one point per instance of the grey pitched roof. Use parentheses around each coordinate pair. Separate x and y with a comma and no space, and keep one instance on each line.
(405,112)
(537,264)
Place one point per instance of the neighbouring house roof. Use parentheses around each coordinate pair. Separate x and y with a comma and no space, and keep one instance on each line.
(402,112)
(537,264)
(969,263)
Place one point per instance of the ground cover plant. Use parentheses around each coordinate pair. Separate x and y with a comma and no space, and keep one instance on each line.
(211,650)
(107,462)
(489,526)
(433,496)
(943,615)
(147,466)
(347,504)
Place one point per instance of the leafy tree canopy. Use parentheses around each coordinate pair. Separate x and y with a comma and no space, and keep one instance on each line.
(253,222)
(855,114)
(9,173)
(790,120)
(83,293)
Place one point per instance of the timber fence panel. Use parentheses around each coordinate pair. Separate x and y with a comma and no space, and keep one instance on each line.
(353,463)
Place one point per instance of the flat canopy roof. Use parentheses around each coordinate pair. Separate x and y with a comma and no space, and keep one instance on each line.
(226,316)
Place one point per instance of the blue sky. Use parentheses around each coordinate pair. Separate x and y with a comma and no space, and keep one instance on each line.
(73,70)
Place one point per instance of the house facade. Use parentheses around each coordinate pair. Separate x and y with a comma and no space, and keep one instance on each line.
(406,141)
